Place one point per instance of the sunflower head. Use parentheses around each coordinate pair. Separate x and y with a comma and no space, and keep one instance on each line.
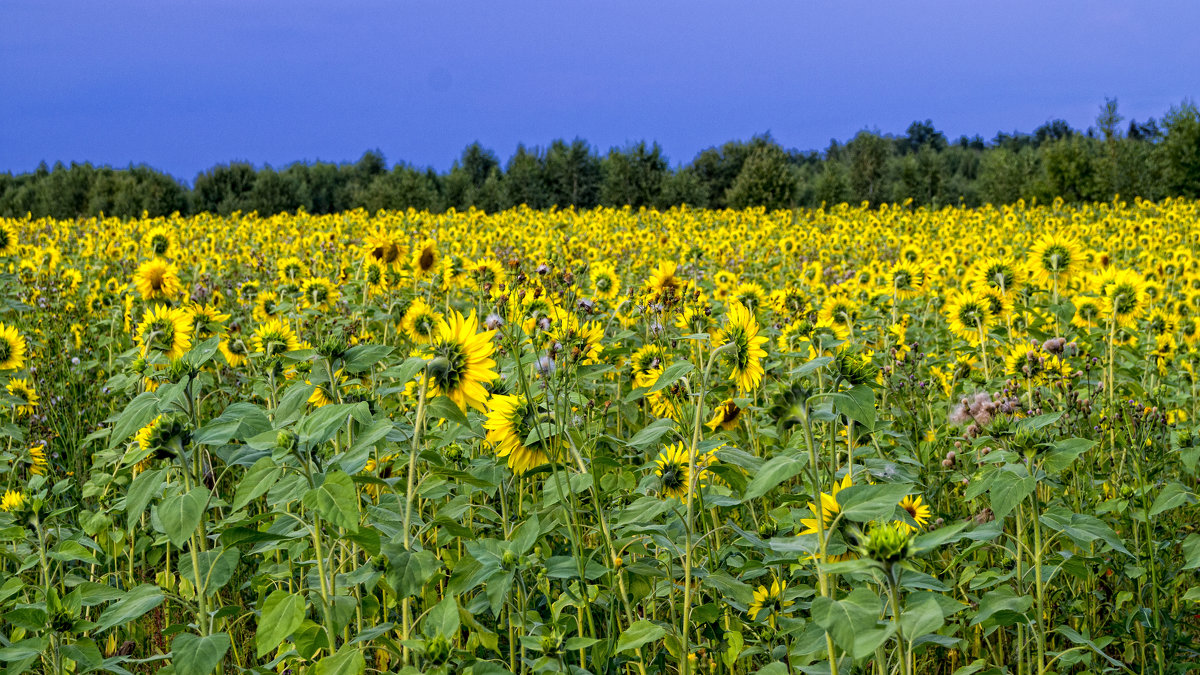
(166,330)
(13,348)
(461,361)
(673,469)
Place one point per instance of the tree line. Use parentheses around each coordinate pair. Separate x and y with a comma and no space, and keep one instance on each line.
(1151,159)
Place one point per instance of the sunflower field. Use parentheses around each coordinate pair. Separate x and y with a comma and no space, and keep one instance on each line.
(846,440)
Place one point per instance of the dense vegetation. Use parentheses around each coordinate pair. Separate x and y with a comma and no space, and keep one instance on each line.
(846,440)
(1152,159)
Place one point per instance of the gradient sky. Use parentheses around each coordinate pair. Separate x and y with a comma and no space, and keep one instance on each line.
(182,85)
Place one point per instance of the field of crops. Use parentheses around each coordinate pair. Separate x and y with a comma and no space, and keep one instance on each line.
(850,440)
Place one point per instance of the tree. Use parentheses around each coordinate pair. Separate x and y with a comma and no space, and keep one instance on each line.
(1180,150)
(869,153)
(525,180)
(573,174)
(634,176)
(766,180)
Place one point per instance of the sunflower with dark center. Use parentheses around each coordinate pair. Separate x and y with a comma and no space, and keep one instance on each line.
(13,348)
(8,238)
(167,330)
(461,362)
(747,353)
(157,279)
(425,258)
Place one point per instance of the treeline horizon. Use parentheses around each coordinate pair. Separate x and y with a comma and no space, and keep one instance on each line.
(1153,159)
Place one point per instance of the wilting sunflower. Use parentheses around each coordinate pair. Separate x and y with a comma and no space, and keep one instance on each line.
(970,314)
(741,329)
(673,471)
(23,389)
(917,509)
(167,330)
(13,348)
(157,279)
(1124,293)
(421,322)
(462,362)
(8,238)
(725,417)
(274,337)
(510,420)
(768,602)
(1056,260)
(425,258)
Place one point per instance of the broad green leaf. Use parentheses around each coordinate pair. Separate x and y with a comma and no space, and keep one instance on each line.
(670,375)
(257,480)
(445,409)
(138,601)
(180,515)
(361,358)
(1172,496)
(335,499)
(864,503)
(1008,489)
(347,661)
(858,404)
(639,633)
(195,655)
(216,568)
(142,489)
(409,571)
(137,414)
(651,433)
(1003,607)
(321,424)
(1191,551)
(442,619)
(775,471)
(282,614)
(1065,452)
(921,617)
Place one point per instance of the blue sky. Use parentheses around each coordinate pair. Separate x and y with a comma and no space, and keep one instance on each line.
(182,85)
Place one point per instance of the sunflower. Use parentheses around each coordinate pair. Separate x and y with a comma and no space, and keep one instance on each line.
(38,462)
(234,350)
(274,337)
(158,242)
(663,284)
(911,253)
(247,291)
(374,274)
(510,420)
(425,258)
(795,335)
(768,602)
(462,361)
(673,471)
(167,330)
(489,275)
(839,313)
(1056,260)
(725,417)
(1124,293)
(23,389)
(319,293)
(1002,274)
(606,285)
(917,509)
(829,508)
(207,321)
(751,295)
(908,279)
(13,348)
(289,269)
(970,315)
(13,501)
(157,279)
(384,249)
(579,341)
(1089,311)
(421,322)
(724,278)
(741,329)
(8,238)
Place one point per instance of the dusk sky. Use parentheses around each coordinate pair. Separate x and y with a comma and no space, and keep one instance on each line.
(182,86)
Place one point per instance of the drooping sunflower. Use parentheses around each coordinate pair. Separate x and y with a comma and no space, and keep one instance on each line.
(23,389)
(745,357)
(421,322)
(13,348)
(167,330)
(725,417)
(509,421)
(1056,259)
(38,461)
(425,258)
(969,314)
(157,279)
(768,602)
(274,337)
(462,362)
(917,509)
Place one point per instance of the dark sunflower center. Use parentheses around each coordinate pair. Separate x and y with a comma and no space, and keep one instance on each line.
(672,477)
(426,260)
